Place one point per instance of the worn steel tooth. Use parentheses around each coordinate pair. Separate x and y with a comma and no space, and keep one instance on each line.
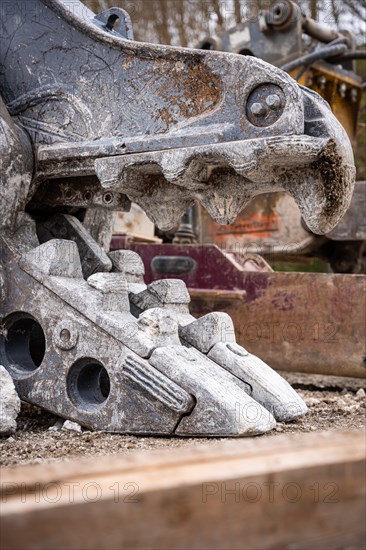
(323,190)
(154,328)
(131,265)
(113,289)
(268,387)
(170,294)
(223,406)
(58,258)
(224,202)
(214,335)
(205,332)
(64,226)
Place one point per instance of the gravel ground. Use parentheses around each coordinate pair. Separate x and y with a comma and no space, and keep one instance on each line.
(334,404)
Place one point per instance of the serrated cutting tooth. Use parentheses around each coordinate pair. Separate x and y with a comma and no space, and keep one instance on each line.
(268,387)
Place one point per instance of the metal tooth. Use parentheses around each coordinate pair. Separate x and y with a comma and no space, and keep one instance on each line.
(207,331)
(268,387)
(224,208)
(157,328)
(214,335)
(113,287)
(223,408)
(58,258)
(169,294)
(131,265)
(109,282)
(63,226)
(173,291)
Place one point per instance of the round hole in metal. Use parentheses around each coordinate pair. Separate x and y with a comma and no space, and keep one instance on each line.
(88,384)
(108,198)
(113,22)
(23,343)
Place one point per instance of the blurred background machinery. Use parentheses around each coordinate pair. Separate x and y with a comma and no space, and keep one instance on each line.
(324,60)
(267,270)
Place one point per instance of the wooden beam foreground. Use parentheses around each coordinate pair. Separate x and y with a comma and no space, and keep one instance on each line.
(289,491)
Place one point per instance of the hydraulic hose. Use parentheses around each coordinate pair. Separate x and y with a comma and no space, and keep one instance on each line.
(325,53)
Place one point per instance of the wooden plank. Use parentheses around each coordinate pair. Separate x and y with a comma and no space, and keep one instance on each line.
(296,491)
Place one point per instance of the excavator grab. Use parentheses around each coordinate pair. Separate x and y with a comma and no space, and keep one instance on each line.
(92,119)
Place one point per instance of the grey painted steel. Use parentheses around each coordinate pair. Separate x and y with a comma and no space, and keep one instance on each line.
(94,102)
(92,119)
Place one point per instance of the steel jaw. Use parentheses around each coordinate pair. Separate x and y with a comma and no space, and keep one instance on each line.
(74,348)
(115,120)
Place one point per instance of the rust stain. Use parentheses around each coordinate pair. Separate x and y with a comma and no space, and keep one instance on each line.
(330,165)
(188,91)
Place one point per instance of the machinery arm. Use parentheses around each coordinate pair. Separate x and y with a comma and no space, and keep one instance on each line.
(166,126)
(92,119)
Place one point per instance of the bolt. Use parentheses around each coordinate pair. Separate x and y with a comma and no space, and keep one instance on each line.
(354,95)
(257,109)
(322,82)
(65,335)
(273,101)
(265,105)
(342,89)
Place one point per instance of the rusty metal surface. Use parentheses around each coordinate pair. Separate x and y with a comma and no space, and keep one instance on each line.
(305,322)
(166,126)
(94,117)
(271,223)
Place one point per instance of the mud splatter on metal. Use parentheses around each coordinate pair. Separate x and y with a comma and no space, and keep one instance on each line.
(92,119)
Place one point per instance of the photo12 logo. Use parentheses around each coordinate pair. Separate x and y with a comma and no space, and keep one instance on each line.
(271,492)
(70,492)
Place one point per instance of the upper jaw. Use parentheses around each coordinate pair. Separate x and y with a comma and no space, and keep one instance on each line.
(167,126)
(165,174)
(317,169)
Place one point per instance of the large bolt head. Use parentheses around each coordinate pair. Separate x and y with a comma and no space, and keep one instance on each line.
(265,105)
(258,109)
(273,101)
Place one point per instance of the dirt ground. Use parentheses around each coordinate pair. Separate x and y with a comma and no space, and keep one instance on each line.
(333,402)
